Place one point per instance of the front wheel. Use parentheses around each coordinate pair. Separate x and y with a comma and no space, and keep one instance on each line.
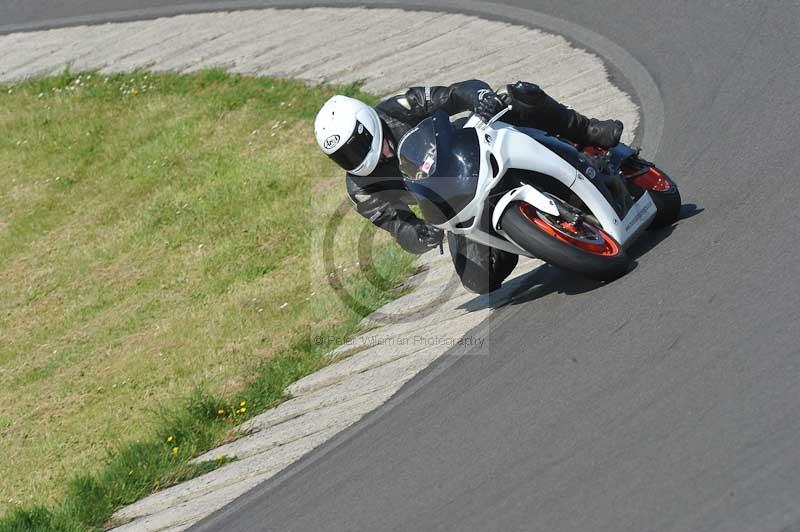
(578,246)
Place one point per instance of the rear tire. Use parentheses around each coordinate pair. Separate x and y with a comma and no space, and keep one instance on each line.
(668,205)
(662,189)
(519,221)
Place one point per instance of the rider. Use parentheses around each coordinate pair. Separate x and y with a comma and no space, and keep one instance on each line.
(363,140)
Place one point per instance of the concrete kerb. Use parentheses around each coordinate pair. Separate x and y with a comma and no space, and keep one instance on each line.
(374,366)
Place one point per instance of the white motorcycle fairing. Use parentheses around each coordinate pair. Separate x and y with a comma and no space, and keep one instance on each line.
(511,148)
(529,195)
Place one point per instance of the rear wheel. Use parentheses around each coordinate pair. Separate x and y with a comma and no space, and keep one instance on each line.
(578,245)
(662,189)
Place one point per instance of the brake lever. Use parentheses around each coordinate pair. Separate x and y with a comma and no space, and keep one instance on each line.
(497,117)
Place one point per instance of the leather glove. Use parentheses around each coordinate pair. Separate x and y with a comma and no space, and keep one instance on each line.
(429,235)
(489,104)
(604,133)
(418,237)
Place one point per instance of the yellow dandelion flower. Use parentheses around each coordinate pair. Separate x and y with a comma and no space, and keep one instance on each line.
(220,457)
(243,403)
(221,411)
(174,450)
(169,439)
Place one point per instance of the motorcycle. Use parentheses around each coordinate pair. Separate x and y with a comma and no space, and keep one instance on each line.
(526,192)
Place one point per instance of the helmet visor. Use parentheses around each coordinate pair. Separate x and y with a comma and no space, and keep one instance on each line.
(355,150)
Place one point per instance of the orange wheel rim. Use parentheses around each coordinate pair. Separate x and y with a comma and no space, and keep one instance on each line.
(601,244)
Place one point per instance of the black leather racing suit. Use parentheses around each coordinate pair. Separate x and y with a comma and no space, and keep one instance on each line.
(383,199)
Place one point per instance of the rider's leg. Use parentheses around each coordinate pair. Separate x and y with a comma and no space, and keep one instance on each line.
(532,107)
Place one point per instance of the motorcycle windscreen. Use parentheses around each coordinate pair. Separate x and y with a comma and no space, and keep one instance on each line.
(441,166)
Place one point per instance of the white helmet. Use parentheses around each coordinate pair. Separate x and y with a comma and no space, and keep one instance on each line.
(350,133)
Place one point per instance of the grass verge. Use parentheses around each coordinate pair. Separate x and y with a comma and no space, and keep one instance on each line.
(157,240)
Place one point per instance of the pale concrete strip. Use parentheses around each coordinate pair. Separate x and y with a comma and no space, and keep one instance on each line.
(164,39)
(177,528)
(22,44)
(315,45)
(232,49)
(185,35)
(12,40)
(122,41)
(574,72)
(243,57)
(253,466)
(594,96)
(435,55)
(353,57)
(287,44)
(315,52)
(84,57)
(543,45)
(182,515)
(534,67)
(299,406)
(394,53)
(298,428)
(580,86)
(81,40)
(254,25)
(467,68)
(399,48)
(460,305)
(130,40)
(17,55)
(89,40)
(610,109)
(385,352)
(378,380)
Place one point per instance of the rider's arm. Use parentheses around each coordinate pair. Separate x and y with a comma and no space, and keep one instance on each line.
(389,210)
(418,103)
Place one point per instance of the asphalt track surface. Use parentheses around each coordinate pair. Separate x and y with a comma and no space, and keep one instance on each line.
(668,400)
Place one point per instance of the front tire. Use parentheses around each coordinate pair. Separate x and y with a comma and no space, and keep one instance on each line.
(585,249)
